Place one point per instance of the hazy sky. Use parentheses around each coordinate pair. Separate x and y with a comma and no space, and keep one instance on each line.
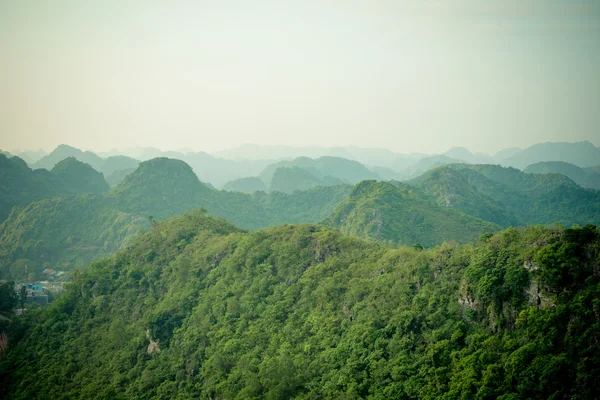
(419,75)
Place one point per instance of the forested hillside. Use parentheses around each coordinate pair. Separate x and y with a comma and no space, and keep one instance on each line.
(197,308)
(107,165)
(584,177)
(20,185)
(63,233)
(399,214)
(322,168)
(512,196)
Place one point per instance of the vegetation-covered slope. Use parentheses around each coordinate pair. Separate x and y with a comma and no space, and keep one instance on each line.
(401,214)
(534,198)
(311,205)
(105,165)
(246,185)
(19,185)
(582,154)
(74,231)
(345,170)
(63,232)
(584,177)
(79,177)
(198,309)
(450,189)
(288,180)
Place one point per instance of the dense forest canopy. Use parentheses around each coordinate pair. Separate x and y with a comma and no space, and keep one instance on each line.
(197,308)
(306,280)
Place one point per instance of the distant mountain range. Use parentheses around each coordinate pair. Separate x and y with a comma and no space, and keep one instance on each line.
(250,161)
(69,217)
(20,185)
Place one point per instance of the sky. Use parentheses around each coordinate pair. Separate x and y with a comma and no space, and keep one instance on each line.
(409,76)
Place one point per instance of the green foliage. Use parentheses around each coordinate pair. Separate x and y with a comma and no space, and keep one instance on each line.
(8,299)
(197,308)
(510,197)
(401,214)
(584,177)
(80,178)
(20,186)
(71,232)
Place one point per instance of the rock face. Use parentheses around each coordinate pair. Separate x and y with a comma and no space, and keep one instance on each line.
(153,346)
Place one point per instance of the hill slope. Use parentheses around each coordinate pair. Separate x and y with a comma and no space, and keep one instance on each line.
(246,185)
(75,231)
(584,177)
(105,165)
(534,198)
(197,308)
(79,177)
(383,211)
(347,171)
(582,154)
(450,189)
(19,185)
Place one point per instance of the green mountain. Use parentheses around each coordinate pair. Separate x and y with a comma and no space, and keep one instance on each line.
(582,154)
(160,187)
(246,185)
(464,154)
(74,231)
(79,177)
(401,215)
(312,205)
(19,185)
(584,177)
(450,189)
(105,165)
(427,163)
(64,233)
(534,198)
(64,151)
(118,176)
(288,180)
(197,308)
(345,170)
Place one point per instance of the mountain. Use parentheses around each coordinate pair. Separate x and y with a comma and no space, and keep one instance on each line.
(581,154)
(302,206)
(63,233)
(506,153)
(64,151)
(160,187)
(399,214)
(118,176)
(450,189)
(465,155)
(117,163)
(246,185)
(427,163)
(288,180)
(534,198)
(19,185)
(387,174)
(106,166)
(197,308)
(79,177)
(586,178)
(347,171)
(31,156)
(77,230)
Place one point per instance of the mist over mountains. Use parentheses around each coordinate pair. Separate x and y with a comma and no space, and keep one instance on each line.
(213,275)
(250,161)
